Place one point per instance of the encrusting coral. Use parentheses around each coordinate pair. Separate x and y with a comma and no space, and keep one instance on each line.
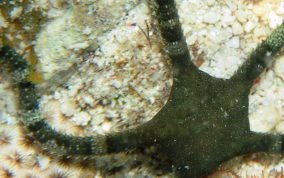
(202,111)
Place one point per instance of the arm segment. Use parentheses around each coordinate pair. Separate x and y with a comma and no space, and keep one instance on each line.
(264,142)
(56,143)
(167,20)
(261,56)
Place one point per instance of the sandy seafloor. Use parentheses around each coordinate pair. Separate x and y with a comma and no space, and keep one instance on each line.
(100,67)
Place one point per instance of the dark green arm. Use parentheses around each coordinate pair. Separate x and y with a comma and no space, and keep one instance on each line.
(264,142)
(56,143)
(262,56)
(166,17)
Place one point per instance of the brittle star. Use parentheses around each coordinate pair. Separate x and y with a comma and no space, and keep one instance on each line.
(204,122)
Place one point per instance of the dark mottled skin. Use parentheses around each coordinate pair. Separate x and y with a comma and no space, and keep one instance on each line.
(204,123)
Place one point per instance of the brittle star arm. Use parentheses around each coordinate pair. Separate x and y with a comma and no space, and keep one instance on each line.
(251,69)
(165,15)
(61,144)
(175,137)
(261,57)
(56,143)
(263,142)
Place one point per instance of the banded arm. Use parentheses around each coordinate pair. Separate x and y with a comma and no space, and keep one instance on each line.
(261,57)
(263,142)
(166,15)
(58,144)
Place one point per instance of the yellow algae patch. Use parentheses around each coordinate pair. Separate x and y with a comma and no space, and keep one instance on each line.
(35,77)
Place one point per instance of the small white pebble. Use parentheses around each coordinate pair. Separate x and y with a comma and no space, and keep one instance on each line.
(227,19)
(106,126)
(264,119)
(44,162)
(79,46)
(241,16)
(211,17)
(88,99)
(68,107)
(234,42)
(274,20)
(259,11)
(259,32)
(87,30)
(280,9)
(82,118)
(237,28)
(249,26)
(214,35)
